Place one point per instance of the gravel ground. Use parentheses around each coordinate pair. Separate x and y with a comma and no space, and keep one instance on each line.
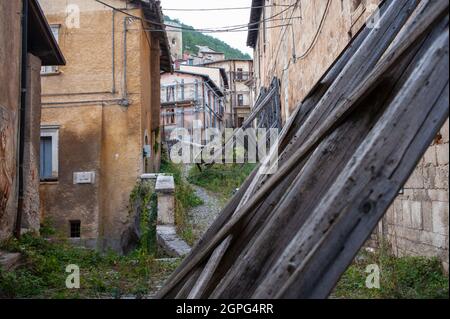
(201,217)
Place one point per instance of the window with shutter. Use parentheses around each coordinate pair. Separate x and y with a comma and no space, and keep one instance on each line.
(46,158)
(49,153)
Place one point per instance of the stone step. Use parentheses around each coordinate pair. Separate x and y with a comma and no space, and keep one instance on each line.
(172,244)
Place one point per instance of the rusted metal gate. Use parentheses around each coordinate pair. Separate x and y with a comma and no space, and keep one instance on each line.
(270,115)
(266,113)
(344,155)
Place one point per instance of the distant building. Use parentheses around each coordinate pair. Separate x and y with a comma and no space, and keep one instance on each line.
(188,96)
(175,37)
(206,55)
(240,96)
(100,127)
(218,75)
(23,52)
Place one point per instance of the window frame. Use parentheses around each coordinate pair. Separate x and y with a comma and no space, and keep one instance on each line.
(52,69)
(240,101)
(52,131)
(170,119)
(72,223)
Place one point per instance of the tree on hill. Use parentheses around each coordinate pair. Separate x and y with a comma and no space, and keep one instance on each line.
(193,38)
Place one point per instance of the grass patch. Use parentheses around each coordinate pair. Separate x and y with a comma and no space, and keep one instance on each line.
(185,199)
(101,275)
(221,179)
(400,278)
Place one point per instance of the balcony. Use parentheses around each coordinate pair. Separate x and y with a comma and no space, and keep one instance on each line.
(242,76)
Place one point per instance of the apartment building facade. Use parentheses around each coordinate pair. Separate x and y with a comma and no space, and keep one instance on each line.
(100,127)
(188,96)
(239,98)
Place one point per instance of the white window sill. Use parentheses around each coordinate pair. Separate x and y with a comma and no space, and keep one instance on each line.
(51,73)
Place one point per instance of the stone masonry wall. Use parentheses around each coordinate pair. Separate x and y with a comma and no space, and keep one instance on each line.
(417,222)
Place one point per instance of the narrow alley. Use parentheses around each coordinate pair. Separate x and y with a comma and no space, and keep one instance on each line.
(211,149)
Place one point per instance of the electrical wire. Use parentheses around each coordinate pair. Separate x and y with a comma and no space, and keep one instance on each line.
(310,47)
(225,9)
(281,39)
(212,30)
(319,30)
(217,31)
(239,26)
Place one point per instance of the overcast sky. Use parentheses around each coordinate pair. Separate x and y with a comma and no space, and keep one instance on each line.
(213,19)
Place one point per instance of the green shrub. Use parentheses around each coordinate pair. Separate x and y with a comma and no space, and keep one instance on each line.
(400,277)
(185,199)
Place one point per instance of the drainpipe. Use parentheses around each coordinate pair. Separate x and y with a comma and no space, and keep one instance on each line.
(125,101)
(23,98)
(113,50)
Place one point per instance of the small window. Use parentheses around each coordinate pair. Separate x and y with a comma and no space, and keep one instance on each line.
(52,69)
(182,90)
(240,100)
(170,93)
(49,154)
(174,41)
(196,90)
(75,229)
(170,117)
(239,74)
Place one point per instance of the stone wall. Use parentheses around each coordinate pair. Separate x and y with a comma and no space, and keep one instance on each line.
(417,222)
(300,55)
(30,217)
(10,44)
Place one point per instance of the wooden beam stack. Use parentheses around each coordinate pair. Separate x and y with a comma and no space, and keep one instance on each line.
(344,154)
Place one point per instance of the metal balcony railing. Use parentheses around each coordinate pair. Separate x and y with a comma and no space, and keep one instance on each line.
(243,76)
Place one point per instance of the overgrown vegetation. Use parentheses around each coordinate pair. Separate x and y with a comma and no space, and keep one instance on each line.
(107,275)
(185,199)
(400,278)
(143,199)
(221,179)
(193,38)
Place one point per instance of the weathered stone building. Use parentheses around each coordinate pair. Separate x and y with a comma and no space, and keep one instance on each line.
(25,44)
(297,42)
(100,120)
(239,96)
